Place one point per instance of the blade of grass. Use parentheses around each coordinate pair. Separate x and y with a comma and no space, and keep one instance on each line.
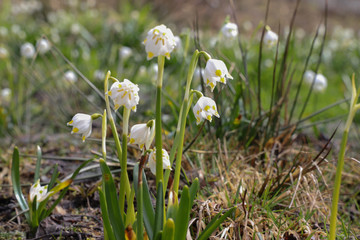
(108,232)
(214,224)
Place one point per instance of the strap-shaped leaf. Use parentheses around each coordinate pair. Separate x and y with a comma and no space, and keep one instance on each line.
(159,212)
(15,179)
(169,230)
(108,232)
(194,188)
(182,217)
(148,213)
(64,186)
(112,202)
(38,163)
(214,224)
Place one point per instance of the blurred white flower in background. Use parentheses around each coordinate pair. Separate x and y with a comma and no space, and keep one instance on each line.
(70,76)
(5,96)
(3,53)
(320,81)
(159,41)
(229,30)
(152,161)
(99,75)
(27,50)
(43,45)
(178,43)
(270,38)
(125,52)
(4,32)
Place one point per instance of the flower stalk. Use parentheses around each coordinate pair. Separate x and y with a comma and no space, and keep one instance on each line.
(354,106)
(158,127)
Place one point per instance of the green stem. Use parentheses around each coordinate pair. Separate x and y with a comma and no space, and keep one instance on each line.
(140,224)
(111,119)
(158,129)
(124,179)
(103,135)
(180,130)
(339,168)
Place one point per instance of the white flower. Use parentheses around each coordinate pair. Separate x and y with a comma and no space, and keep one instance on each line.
(205,108)
(38,191)
(5,95)
(125,52)
(320,81)
(3,53)
(142,135)
(270,38)
(159,41)
(27,50)
(99,75)
(82,124)
(70,76)
(178,43)
(152,160)
(229,30)
(215,71)
(43,45)
(124,94)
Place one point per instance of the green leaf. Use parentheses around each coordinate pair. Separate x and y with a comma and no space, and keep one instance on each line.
(53,177)
(182,217)
(112,202)
(214,224)
(15,179)
(149,215)
(64,186)
(108,232)
(194,188)
(38,164)
(159,212)
(169,230)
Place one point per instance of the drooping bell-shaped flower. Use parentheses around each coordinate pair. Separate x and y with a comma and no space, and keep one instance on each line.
(215,71)
(82,124)
(160,41)
(124,94)
(43,45)
(205,108)
(70,76)
(142,134)
(270,38)
(320,81)
(3,53)
(27,50)
(152,160)
(38,191)
(229,30)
